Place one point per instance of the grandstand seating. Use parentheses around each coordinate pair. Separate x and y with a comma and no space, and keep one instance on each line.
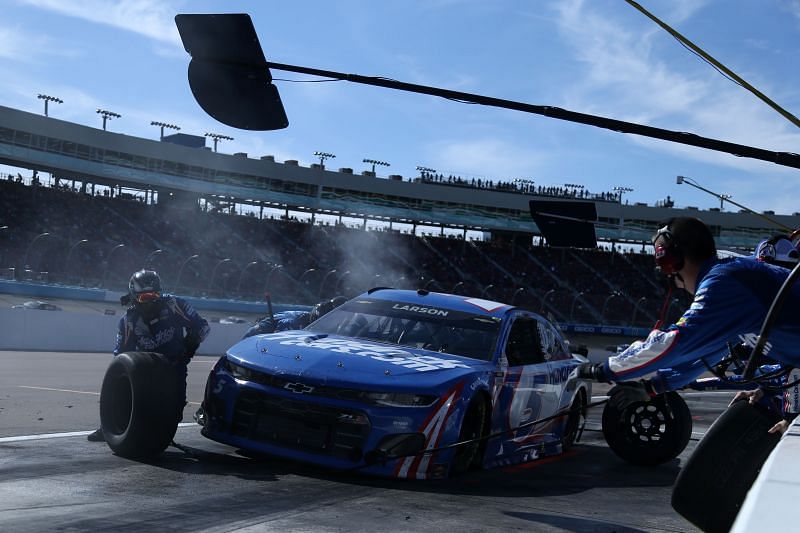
(59,235)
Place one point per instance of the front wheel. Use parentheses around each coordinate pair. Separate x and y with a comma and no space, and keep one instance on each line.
(474,425)
(648,433)
(139,404)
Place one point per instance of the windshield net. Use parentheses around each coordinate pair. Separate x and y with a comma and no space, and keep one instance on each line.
(416,326)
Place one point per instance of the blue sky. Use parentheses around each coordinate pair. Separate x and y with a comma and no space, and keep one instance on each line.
(599,56)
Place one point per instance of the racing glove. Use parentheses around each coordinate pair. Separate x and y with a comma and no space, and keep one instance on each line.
(190,345)
(627,393)
(593,372)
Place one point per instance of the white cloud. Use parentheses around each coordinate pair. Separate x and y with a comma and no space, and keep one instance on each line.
(152,18)
(19,45)
(623,79)
(485,158)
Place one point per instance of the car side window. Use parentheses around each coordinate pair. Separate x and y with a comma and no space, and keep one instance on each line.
(552,346)
(523,346)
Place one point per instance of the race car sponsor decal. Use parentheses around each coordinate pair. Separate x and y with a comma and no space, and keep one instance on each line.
(420,309)
(751,339)
(486,305)
(417,466)
(642,353)
(394,356)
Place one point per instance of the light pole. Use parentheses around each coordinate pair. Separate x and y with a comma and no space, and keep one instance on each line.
(180,270)
(241,274)
(544,299)
(150,257)
(27,250)
(324,279)
(425,170)
(269,277)
(375,162)
(164,125)
(107,115)
(486,289)
(572,307)
(722,198)
(339,282)
(108,262)
(48,99)
(457,286)
(214,272)
(322,157)
(605,303)
(620,191)
(218,137)
(69,254)
(636,309)
(516,293)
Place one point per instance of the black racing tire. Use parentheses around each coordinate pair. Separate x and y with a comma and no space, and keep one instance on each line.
(714,481)
(577,413)
(139,404)
(648,433)
(474,425)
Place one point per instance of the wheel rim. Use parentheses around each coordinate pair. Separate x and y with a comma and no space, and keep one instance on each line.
(647,424)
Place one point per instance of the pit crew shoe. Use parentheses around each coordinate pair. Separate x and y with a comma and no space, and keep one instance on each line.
(96,436)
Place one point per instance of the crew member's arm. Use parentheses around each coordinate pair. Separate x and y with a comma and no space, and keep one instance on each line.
(197,328)
(722,305)
(126,340)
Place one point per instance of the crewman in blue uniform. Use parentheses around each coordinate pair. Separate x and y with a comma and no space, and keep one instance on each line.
(162,323)
(293,319)
(731,300)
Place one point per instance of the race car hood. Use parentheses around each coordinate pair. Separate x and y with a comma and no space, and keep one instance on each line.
(324,357)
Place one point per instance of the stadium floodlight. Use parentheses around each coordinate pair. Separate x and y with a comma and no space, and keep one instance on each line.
(427,170)
(218,137)
(574,186)
(107,115)
(231,80)
(524,180)
(375,162)
(323,156)
(622,190)
(47,99)
(164,125)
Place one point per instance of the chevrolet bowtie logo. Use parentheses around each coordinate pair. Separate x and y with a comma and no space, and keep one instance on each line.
(298,388)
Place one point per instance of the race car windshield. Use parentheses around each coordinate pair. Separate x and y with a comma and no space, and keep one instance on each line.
(428,328)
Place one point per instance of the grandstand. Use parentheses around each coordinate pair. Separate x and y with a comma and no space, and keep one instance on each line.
(207,222)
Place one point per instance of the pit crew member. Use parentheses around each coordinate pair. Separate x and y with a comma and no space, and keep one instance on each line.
(162,323)
(731,300)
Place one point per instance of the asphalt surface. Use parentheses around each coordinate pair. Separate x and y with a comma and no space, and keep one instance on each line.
(53,479)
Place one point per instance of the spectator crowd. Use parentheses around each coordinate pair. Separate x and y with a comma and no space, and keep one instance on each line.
(64,236)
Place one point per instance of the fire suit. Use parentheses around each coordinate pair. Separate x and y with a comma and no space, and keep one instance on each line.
(730,304)
(170,327)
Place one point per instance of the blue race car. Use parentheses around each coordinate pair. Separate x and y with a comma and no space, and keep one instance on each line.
(391,374)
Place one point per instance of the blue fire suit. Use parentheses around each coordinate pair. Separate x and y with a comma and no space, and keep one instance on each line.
(282,322)
(171,327)
(730,305)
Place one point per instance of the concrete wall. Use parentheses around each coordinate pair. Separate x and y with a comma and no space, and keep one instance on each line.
(33,329)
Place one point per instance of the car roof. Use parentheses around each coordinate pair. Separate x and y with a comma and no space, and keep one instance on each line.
(454,302)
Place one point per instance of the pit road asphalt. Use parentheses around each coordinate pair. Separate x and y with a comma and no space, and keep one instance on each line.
(53,479)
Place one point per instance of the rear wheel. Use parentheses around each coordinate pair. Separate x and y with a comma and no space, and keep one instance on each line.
(139,411)
(474,425)
(648,433)
(714,481)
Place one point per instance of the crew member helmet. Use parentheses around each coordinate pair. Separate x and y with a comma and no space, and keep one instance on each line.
(144,287)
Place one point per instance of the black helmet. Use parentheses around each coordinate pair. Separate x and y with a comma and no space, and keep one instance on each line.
(325,307)
(144,287)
